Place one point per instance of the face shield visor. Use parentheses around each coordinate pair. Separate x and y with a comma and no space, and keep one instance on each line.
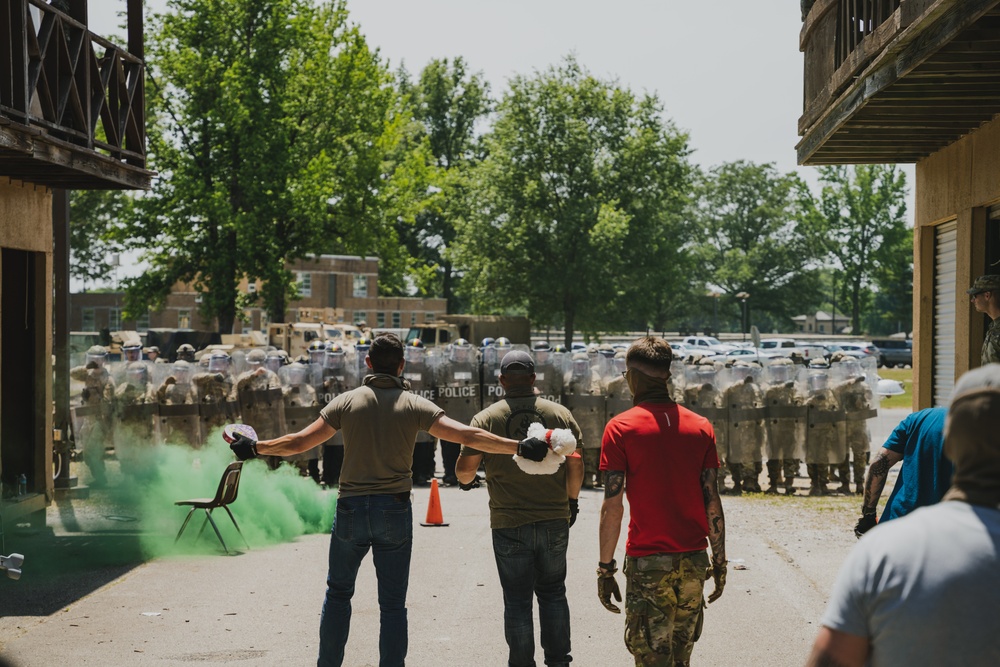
(297,374)
(273,362)
(132,353)
(218,363)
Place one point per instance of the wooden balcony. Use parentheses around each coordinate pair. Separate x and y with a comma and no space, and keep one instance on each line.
(896,80)
(72,105)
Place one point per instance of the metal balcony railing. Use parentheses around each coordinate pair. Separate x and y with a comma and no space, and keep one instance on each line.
(856,19)
(58,77)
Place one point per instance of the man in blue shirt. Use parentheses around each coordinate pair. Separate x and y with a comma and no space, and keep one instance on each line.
(918,442)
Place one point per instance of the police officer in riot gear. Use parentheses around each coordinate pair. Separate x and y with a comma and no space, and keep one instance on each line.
(548,376)
(216,392)
(186,353)
(421,380)
(301,409)
(786,425)
(337,378)
(825,444)
(458,388)
(178,406)
(585,399)
(94,418)
(746,424)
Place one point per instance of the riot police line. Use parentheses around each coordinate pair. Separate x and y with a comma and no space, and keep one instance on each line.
(782,414)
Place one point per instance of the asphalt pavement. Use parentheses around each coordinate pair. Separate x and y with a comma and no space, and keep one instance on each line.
(261,606)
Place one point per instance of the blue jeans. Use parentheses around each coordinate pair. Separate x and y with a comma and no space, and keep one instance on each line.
(531,560)
(383,523)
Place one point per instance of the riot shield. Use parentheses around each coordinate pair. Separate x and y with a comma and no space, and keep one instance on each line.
(585,397)
(550,371)
(618,392)
(457,382)
(825,438)
(178,405)
(745,400)
(785,396)
(703,395)
(300,405)
(261,405)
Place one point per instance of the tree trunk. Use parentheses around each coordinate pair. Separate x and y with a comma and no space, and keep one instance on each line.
(447,288)
(570,322)
(856,307)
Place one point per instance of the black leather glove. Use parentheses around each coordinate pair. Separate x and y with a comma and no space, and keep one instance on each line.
(533,449)
(244,448)
(607,588)
(864,524)
(574,510)
(476,482)
(718,573)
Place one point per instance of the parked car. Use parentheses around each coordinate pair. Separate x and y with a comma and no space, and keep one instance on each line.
(708,344)
(831,348)
(763,357)
(894,352)
(860,350)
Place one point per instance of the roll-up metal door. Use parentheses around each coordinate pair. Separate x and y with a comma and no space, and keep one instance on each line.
(945,277)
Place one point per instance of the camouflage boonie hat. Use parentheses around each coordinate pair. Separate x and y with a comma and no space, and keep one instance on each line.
(987,283)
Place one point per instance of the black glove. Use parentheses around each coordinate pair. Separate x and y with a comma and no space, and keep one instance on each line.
(533,449)
(574,510)
(244,448)
(476,482)
(864,524)
(607,588)
(718,573)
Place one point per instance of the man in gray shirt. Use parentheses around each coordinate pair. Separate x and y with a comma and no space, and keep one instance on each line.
(923,589)
(380,421)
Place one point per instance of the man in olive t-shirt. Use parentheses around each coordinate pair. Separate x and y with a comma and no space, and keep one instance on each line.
(380,421)
(530,516)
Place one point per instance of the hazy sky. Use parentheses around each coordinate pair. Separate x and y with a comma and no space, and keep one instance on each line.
(729,72)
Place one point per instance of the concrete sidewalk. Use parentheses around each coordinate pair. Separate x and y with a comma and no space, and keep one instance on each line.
(262,607)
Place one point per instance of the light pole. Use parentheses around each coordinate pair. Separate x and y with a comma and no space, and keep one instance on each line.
(715,312)
(743,296)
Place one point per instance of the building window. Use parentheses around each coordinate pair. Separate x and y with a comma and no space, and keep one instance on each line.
(413,319)
(360,286)
(142,323)
(397,320)
(87,319)
(115,319)
(183,319)
(304,282)
(359,317)
(428,317)
(380,319)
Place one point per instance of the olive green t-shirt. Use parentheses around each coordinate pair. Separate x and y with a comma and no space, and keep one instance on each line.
(517,498)
(380,421)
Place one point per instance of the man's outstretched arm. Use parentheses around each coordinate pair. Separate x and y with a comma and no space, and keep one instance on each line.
(878,471)
(312,435)
(834,648)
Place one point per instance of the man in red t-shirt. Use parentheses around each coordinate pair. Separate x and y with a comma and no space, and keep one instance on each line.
(663,456)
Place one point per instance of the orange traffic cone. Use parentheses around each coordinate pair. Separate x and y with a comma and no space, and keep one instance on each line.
(434,517)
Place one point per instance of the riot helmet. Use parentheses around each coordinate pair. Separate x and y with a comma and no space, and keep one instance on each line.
(460,350)
(255,358)
(781,371)
(581,365)
(334,357)
(186,352)
(218,362)
(619,361)
(541,351)
(97,354)
(486,342)
(742,372)
(317,352)
(298,373)
(136,374)
(132,352)
(182,371)
(606,350)
(152,352)
(414,351)
(274,361)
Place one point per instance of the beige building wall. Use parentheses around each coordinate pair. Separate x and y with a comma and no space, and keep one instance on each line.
(26,225)
(956,183)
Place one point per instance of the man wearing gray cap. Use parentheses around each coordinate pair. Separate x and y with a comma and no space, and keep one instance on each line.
(919,590)
(985,296)
(530,516)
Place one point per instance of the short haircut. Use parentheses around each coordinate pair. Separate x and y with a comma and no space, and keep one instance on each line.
(652,352)
(386,353)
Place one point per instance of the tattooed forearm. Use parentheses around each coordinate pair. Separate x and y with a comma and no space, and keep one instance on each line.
(715,516)
(614,482)
(878,471)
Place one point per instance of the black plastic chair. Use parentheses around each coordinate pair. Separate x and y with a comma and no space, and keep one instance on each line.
(229,485)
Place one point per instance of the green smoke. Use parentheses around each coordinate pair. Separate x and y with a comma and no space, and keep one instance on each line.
(272,506)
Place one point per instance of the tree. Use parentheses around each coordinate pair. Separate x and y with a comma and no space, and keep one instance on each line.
(447,102)
(575,208)
(92,214)
(273,119)
(860,223)
(750,241)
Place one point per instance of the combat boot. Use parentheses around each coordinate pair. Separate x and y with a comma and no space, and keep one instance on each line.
(736,469)
(816,488)
(774,480)
(751,483)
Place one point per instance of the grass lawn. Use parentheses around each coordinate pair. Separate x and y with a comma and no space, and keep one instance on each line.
(904,375)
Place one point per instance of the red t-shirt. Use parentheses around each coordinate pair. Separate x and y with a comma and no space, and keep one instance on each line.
(662,447)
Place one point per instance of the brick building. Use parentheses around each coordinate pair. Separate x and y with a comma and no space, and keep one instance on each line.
(344,283)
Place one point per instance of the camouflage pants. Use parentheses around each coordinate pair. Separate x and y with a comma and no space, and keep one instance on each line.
(664,607)
(591,468)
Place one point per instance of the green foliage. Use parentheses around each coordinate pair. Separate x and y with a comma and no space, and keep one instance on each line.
(860,224)
(747,238)
(273,120)
(577,204)
(93,214)
(446,103)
